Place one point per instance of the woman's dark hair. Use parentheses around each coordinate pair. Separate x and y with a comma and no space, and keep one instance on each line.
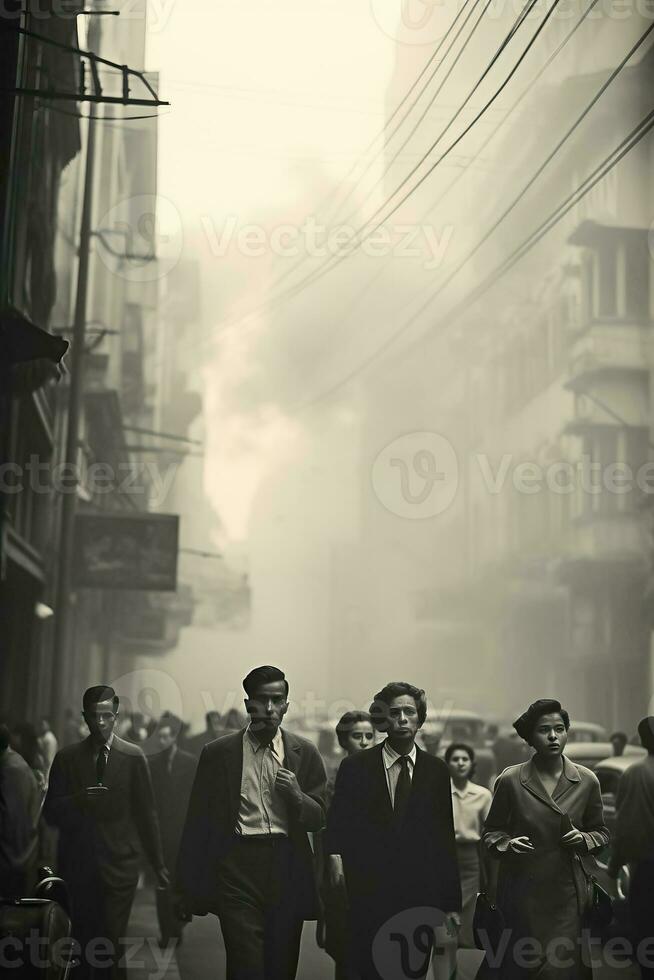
(526,724)
(347,723)
(396,689)
(459,747)
(263,675)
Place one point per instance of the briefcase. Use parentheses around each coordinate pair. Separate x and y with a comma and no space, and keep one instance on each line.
(35,938)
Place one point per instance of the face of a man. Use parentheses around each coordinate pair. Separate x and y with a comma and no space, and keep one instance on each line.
(267,707)
(166,737)
(550,736)
(101,719)
(460,764)
(362,736)
(402,721)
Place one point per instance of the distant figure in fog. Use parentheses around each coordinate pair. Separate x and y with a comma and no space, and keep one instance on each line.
(391,824)
(20,800)
(234,720)
(634,839)
(100,797)
(245,854)
(173,771)
(355,733)
(72,728)
(544,824)
(470,805)
(619,741)
(213,730)
(26,742)
(47,743)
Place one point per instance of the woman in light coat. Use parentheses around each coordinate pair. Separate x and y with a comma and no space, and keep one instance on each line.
(544,825)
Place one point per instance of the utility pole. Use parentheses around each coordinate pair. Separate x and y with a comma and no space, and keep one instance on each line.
(75,395)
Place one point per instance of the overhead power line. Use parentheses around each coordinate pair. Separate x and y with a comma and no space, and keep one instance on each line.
(625,146)
(332,262)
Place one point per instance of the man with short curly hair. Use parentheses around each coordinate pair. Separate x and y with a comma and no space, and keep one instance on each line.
(391,824)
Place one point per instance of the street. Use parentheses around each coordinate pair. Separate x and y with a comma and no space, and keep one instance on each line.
(202,954)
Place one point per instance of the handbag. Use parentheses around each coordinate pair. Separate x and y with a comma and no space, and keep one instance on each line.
(600,904)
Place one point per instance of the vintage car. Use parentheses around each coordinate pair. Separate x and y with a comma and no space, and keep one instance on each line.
(591,754)
(587,731)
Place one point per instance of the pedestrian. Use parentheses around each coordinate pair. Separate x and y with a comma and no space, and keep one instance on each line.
(619,742)
(72,728)
(544,824)
(20,802)
(47,743)
(213,729)
(391,824)
(470,804)
(355,733)
(245,854)
(173,771)
(100,797)
(25,741)
(634,843)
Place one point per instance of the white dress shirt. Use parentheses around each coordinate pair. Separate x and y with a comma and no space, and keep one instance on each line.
(470,807)
(262,809)
(392,767)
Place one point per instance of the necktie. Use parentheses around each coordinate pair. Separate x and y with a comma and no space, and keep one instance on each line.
(402,790)
(101,763)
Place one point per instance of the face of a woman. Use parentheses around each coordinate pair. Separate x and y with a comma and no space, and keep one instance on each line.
(460,764)
(360,737)
(550,736)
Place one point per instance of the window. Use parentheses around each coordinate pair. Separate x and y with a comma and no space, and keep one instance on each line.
(636,277)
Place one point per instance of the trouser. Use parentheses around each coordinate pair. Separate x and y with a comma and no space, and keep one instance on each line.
(391,950)
(170,926)
(641,907)
(100,916)
(260,924)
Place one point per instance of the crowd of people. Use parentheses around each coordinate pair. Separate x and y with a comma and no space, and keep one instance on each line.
(246,822)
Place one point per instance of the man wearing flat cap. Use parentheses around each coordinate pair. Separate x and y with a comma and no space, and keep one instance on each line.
(545,822)
(634,843)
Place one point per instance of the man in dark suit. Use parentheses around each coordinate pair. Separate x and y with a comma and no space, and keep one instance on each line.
(633,844)
(390,835)
(245,854)
(100,797)
(173,771)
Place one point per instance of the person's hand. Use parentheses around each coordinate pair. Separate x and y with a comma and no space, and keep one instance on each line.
(452,924)
(521,845)
(573,839)
(286,783)
(163,878)
(181,909)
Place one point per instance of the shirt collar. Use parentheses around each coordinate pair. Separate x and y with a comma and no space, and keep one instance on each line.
(471,790)
(277,744)
(391,756)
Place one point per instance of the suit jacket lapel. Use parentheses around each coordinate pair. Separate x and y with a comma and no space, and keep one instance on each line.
(292,752)
(569,778)
(380,795)
(86,766)
(235,773)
